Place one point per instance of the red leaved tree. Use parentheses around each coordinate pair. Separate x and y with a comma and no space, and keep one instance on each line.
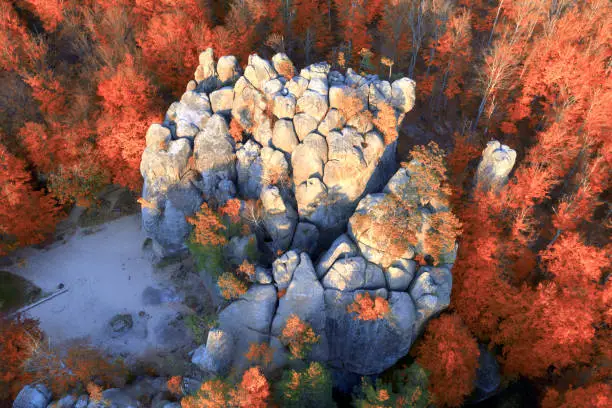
(129,105)
(27,216)
(450,353)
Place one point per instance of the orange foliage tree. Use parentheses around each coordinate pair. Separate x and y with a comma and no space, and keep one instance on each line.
(173,35)
(252,391)
(49,11)
(298,336)
(208,228)
(260,354)
(129,105)
(18,341)
(230,286)
(595,396)
(27,216)
(367,308)
(450,354)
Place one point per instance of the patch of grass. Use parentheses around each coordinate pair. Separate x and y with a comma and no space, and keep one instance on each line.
(199,325)
(207,257)
(16,292)
(170,260)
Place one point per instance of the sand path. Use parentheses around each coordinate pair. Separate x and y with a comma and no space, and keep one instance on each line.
(107,273)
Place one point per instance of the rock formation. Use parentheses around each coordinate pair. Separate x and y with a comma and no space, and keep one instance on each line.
(303,132)
(495,166)
(321,164)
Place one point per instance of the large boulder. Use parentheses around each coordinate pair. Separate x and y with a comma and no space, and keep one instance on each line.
(279,219)
(33,396)
(430,291)
(216,355)
(495,166)
(367,346)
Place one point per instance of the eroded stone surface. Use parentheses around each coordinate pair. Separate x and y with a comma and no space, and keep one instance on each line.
(308,168)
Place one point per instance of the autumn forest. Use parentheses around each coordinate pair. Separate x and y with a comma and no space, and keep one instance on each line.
(83,80)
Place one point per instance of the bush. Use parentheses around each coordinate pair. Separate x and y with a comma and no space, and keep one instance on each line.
(310,387)
(408,388)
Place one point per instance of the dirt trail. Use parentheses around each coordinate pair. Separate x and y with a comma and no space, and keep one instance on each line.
(107,273)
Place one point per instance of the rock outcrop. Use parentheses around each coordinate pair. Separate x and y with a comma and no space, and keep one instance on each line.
(298,137)
(314,160)
(495,166)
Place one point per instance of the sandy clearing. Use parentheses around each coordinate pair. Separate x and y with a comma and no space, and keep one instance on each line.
(106,273)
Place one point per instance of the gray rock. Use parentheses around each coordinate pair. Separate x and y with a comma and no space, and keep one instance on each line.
(249,105)
(186,130)
(303,298)
(214,154)
(162,168)
(335,78)
(297,85)
(353,79)
(314,104)
(346,274)
(121,323)
(279,219)
(222,100)
(193,109)
(343,247)
(319,85)
(284,106)
(115,398)
(216,355)
(306,238)
(284,137)
(304,124)
(273,87)
(403,94)
(283,268)
(248,320)
(157,136)
(495,166)
(249,169)
(263,132)
(206,69)
(352,348)
(33,396)
(259,71)
(430,291)
(67,401)
(82,402)
(263,276)
(228,69)
(275,168)
(283,65)
(488,377)
(239,247)
(308,158)
(380,93)
(332,121)
(400,274)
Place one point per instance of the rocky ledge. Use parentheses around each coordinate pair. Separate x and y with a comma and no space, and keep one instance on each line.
(317,151)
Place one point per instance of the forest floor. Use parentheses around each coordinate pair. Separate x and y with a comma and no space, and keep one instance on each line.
(117,299)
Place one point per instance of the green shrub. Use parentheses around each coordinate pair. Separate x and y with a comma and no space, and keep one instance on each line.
(199,325)
(310,387)
(407,388)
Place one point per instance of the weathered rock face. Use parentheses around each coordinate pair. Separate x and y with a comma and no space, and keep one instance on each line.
(495,166)
(311,162)
(326,162)
(33,396)
(321,294)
